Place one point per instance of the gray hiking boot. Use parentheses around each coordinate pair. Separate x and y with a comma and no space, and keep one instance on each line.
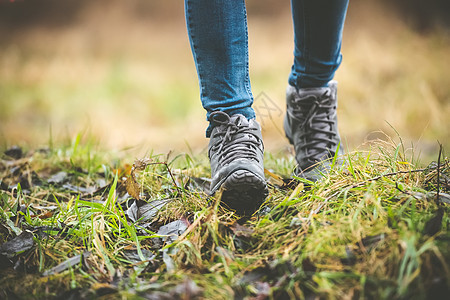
(311,126)
(236,155)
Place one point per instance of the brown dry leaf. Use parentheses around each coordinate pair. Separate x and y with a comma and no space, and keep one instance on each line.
(278,180)
(122,170)
(133,187)
(45,215)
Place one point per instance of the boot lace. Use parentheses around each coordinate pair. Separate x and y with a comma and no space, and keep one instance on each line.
(236,141)
(317,125)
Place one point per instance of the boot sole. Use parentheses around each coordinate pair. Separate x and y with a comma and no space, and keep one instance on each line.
(244,192)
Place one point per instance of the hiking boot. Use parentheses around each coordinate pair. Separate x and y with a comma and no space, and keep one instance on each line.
(236,155)
(311,126)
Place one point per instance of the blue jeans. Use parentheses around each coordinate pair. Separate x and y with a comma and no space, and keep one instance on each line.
(219,41)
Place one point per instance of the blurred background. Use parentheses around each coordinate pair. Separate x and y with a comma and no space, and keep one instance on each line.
(121,72)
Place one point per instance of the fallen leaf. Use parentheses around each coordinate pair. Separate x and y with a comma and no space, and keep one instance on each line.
(276,179)
(132,212)
(43,208)
(171,231)
(15,152)
(149,210)
(133,187)
(133,255)
(79,189)
(66,264)
(19,244)
(57,178)
(43,215)
(146,212)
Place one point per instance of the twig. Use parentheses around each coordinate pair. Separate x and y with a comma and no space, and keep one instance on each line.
(361,184)
(386,175)
(438,174)
(171,175)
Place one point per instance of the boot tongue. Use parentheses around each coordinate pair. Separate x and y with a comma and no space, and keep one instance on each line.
(306,94)
(305,102)
(239,120)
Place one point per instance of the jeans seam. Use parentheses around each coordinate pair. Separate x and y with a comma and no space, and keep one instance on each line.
(247,75)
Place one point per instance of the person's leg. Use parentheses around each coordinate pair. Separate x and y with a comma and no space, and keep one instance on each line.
(219,41)
(218,36)
(311,120)
(318,27)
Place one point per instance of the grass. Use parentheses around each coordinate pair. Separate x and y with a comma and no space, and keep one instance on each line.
(375,228)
